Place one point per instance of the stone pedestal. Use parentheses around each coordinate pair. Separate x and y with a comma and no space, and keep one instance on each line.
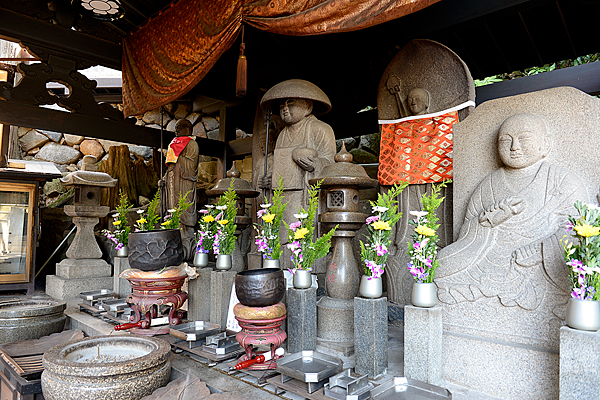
(76,276)
(121,287)
(208,296)
(423,344)
(579,364)
(301,319)
(371,336)
(335,328)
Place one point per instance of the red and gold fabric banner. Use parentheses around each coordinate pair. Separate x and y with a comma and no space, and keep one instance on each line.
(168,56)
(417,150)
(175,148)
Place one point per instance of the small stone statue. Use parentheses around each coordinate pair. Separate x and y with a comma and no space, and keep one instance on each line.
(181,177)
(304,146)
(509,242)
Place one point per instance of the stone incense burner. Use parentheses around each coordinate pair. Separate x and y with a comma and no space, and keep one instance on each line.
(108,367)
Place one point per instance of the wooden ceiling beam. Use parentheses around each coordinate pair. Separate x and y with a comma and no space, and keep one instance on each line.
(27,30)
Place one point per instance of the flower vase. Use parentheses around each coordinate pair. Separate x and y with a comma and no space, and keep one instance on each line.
(201,259)
(302,279)
(123,251)
(583,314)
(223,262)
(267,263)
(370,287)
(423,295)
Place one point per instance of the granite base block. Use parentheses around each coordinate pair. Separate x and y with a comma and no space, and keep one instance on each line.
(64,289)
(499,368)
(83,268)
(121,286)
(579,364)
(209,294)
(371,336)
(423,344)
(301,319)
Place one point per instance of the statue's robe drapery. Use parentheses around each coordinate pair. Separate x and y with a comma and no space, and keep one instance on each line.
(482,262)
(182,179)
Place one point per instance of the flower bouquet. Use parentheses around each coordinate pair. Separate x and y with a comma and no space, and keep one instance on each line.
(224,238)
(583,309)
(305,251)
(173,218)
(423,249)
(120,236)
(149,218)
(267,238)
(207,229)
(374,252)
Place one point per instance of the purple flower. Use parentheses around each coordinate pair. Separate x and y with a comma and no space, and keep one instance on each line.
(262,245)
(295,225)
(261,212)
(119,246)
(428,262)
(292,271)
(569,226)
(203,211)
(578,293)
(576,265)
(381,249)
(372,219)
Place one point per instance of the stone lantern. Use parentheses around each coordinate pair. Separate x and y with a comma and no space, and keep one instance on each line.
(335,312)
(84,268)
(244,190)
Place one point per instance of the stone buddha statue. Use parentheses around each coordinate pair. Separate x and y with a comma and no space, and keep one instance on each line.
(304,146)
(509,241)
(181,177)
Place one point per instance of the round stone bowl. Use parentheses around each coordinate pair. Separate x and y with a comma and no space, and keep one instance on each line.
(153,250)
(30,318)
(260,287)
(127,368)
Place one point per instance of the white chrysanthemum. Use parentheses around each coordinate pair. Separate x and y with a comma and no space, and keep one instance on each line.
(301,216)
(140,211)
(265,205)
(221,208)
(210,206)
(380,209)
(115,215)
(172,210)
(418,214)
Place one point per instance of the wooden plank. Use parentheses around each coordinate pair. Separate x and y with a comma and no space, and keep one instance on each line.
(77,124)
(240,148)
(21,28)
(584,77)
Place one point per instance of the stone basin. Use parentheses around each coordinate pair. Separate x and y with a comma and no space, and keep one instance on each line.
(30,318)
(107,367)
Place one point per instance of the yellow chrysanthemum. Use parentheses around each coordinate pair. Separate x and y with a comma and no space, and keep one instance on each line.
(587,230)
(425,230)
(142,220)
(300,233)
(223,221)
(117,223)
(208,218)
(381,225)
(268,218)
(165,223)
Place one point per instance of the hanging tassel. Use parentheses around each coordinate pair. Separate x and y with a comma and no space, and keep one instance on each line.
(241,82)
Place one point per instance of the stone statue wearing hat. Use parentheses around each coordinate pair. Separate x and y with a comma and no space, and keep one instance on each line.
(304,146)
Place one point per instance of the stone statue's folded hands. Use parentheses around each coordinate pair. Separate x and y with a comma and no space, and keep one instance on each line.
(305,158)
(501,211)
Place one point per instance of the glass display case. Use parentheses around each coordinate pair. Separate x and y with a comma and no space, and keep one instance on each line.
(17,202)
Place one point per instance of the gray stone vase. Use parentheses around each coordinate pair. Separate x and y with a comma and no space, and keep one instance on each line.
(153,250)
(424,295)
(583,314)
(370,288)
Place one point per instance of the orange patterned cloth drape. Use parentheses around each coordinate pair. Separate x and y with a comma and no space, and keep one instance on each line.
(170,54)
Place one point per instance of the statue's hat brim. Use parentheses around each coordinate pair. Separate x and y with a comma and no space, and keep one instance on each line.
(298,89)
